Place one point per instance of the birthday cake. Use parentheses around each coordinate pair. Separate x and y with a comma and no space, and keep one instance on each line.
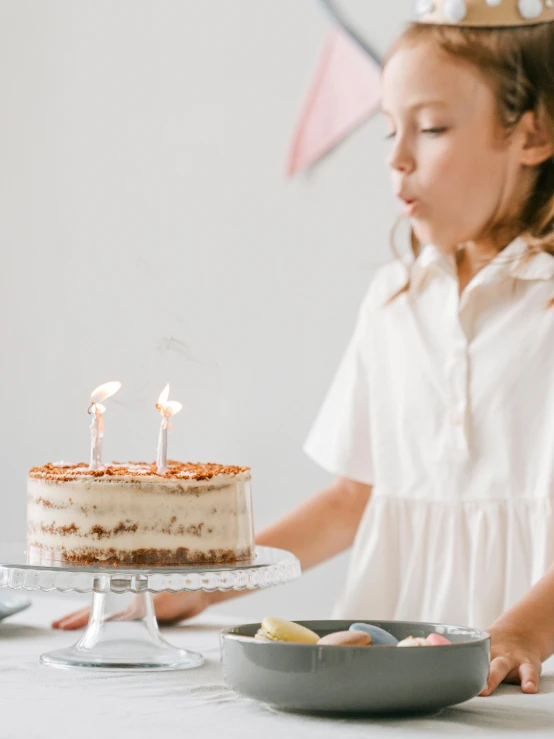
(125,514)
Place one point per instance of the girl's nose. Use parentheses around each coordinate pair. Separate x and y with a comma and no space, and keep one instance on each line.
(400,158)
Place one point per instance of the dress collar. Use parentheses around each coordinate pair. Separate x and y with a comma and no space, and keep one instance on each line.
(510,262)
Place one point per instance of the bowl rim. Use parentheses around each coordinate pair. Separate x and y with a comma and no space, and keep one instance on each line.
(229,634)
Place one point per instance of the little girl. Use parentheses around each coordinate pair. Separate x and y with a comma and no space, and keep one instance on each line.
(439,425)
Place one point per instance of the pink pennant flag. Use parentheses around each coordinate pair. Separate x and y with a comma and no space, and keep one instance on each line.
(345,93)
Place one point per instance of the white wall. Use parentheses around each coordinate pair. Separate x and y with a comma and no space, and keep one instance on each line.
(148,233)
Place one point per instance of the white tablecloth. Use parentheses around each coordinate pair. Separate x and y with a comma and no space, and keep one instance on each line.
(42,702)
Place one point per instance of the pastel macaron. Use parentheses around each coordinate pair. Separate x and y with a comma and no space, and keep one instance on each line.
(438,640)
(346,639)
(414,641)
(379,637)
(433,640)
(277,629)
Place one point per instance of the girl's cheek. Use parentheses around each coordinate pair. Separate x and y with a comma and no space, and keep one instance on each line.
(436,155)
(437,171)
(447,165)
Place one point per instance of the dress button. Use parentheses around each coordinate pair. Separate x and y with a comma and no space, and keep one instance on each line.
(457,418)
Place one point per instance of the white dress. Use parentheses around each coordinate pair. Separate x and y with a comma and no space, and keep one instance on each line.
(445,405)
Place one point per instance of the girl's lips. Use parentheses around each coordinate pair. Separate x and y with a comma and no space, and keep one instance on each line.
(410,207)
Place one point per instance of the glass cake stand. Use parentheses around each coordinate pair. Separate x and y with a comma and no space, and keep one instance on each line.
(131,640)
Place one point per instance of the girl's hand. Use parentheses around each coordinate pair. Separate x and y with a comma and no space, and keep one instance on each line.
(514,659)
(170,608)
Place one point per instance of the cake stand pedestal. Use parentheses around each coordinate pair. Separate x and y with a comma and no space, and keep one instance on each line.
(131,640)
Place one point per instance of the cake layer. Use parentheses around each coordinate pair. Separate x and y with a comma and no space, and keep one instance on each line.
(128,513)
(155,557)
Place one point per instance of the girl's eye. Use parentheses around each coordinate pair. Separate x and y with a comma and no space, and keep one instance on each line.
(430,131)
(434,131)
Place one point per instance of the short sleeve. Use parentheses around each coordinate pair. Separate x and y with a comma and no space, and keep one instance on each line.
(339,440)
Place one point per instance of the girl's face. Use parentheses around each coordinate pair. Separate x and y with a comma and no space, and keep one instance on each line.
(449,163)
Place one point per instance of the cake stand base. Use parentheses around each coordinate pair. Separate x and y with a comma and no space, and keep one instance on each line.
(127,641)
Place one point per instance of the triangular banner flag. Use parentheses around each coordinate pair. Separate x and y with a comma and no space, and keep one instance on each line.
(345,93)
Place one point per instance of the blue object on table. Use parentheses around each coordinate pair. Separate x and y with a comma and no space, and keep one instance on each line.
(379,637)
(11,603)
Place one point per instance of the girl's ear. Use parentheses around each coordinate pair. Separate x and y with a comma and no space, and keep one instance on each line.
(537,144)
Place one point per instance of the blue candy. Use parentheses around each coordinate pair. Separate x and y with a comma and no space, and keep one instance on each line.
(379,637)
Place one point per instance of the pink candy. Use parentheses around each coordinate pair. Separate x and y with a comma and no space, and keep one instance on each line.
(437,640)
(433,640)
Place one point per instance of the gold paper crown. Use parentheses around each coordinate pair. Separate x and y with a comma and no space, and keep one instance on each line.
(485,13)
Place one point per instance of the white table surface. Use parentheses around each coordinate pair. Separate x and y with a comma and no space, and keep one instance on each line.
(38,701)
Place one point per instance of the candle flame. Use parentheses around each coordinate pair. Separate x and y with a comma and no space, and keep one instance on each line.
(167,408)
(96,409)
(173,407)
(164,396)
(104,391)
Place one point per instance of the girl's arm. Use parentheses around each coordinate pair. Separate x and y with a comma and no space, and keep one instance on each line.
(523,637)
(315,531)
(320,528)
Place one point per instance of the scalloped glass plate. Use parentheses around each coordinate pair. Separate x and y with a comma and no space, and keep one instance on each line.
(268,568)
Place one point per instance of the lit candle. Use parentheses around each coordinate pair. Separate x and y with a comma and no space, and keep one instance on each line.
(167,409)
(96,409)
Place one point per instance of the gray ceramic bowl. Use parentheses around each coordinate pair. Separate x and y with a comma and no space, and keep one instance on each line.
(305,677)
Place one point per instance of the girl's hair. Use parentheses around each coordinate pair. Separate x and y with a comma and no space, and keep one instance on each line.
(518,64)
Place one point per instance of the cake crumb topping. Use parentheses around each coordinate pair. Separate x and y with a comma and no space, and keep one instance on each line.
(176,470)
